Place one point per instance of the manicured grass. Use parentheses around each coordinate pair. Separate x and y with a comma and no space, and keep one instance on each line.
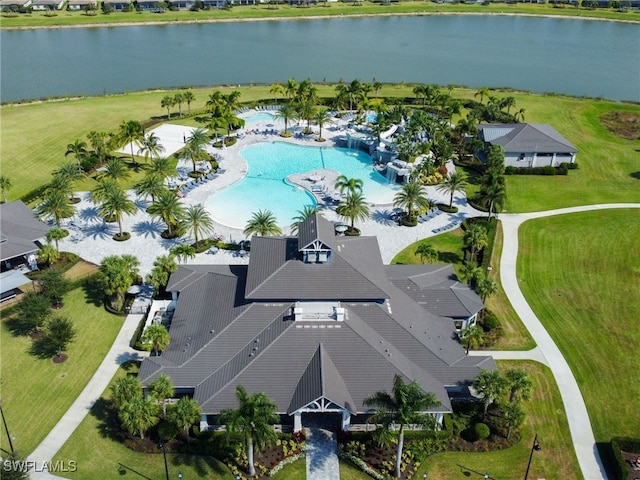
(545,416)
(448,245)
(322,9)
(36,392)
(581,274)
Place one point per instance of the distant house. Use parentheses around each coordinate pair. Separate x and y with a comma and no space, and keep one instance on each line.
(80,4)
(47,4)
(529,145)
(21,234)
(14,4)
(118,5)
(318,323)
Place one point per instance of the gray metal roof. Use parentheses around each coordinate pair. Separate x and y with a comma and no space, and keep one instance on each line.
(11,280)
(314,228)
(21,229)
(526,137)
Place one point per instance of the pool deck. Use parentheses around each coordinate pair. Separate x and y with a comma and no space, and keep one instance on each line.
(91,238)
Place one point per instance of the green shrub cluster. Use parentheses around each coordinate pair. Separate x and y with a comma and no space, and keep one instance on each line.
(618,444)
(548,170)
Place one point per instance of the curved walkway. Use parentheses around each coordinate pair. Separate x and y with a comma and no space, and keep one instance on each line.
(576,410)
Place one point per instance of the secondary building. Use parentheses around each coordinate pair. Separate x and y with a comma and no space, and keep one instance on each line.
(529,145)
(21,235)
(318,323)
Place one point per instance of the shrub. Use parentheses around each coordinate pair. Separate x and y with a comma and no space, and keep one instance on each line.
(167,431)
(446,208)
(490,321)
(481,431)
(409,222)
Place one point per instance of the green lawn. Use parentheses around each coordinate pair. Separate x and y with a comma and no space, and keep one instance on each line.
(545,416)
(322,9)
(36,392)
(581,275)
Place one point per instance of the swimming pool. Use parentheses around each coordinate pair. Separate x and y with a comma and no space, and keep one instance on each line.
(259,117)
(264,187)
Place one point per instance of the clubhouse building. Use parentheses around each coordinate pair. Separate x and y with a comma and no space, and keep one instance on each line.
(318,323)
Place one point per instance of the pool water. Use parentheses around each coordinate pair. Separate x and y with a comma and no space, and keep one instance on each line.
(259,117)
(264,187)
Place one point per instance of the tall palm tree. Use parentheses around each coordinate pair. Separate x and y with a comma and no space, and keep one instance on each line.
(306,111)
(71,173)
(130,132)
(55,205)
(161,166)
(125,389)
(168,207)
(302,215)
(290,88)
(353,208)
(491,385)
(167,102)
(520,384)
(513,416)
(195,150)
(413,197)
(471,337)
(115,205)
(475,238)
(150,185)
(253,419)
(56,234)
(162,389)
(455,182)
(470,272)
(198,221)
(276,89)
(150,146)
(321,117)
(47,254)
(496,195)
(407,404)
(189,97)
(5,185)
(351,185)
(103,190)
(62,184)
(262,223)
(100,142)
(115,169)
(426,251)
(486,287)
(287,113)
(157,336)
(185,413)
(482,92)
(138,415)
(178,98)
(78,149)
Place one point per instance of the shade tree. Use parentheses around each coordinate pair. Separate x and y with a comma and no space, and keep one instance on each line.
(117,274)
(185,413)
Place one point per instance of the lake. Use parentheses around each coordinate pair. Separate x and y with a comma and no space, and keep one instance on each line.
(567,56)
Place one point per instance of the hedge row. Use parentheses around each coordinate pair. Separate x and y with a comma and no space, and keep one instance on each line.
(618,444)
(563,169)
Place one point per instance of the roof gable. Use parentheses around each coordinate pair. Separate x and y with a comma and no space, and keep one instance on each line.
(526,137)
(316,232)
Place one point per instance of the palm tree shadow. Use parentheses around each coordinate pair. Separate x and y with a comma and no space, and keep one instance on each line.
(99,230)
(635,175)
(90,213)
(93,294)
(449,257)
(148,228)
(383,217)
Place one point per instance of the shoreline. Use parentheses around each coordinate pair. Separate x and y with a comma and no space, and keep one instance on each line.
(312,17)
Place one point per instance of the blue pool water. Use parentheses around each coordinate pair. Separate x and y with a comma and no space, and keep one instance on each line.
(259,117)
(264,187)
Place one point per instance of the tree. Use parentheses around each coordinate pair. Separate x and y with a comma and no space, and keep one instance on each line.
(184,414)
(78,149)
(117,273)
(103,190)
(407,404)
(56,234)
(161,389)
(183,252)
(455,182)
(302,215)
(178,99)
(198,221)
(189,97)
(150,146)
(194,149)
(32,312)
(70,172)
(519,115)
(287,113)
(100,142)
(412,197)
(158,337)
(55,205)
(486,287)
(306,110)
(163,267)
(471,337)
(167,102)
(59,333)
(353,208)
(350,185)
(115,205)
(125,389)
(5,186)
(513,415)
(151,185)
(161,166)
(48,254)
(60,184)
(426,251)
(290,88)
(482,92)
(442,149)
(321,117)
(520,384)
(491,386)
(475,238)
(54,285)
(138,415)
(253,419)
(262,223)
(130,132)
(276,89)
(168,207)
(470,272)
(114,169)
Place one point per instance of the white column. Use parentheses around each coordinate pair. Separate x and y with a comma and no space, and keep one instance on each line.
(346,419)
(204,425)
(174,296)
(297,421)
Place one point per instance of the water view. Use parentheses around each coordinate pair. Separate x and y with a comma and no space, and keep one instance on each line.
(568,56)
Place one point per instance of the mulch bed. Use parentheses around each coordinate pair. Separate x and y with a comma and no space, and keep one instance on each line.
(623,124)
(60,358)
(633,465)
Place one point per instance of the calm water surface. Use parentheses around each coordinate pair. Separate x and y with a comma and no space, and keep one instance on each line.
(567,56)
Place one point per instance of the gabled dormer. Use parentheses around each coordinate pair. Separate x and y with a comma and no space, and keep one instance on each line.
(316,239)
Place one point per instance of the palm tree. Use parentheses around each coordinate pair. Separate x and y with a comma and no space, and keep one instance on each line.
(130,132)
(198,221)
(5,185)
(262,223)
(183,252)
(178,98)
(353,207)
(167,102)
(306,110)
(413,197)
(253,419)
(407,404)
(195,150)
(161,166)
(78,149)
(486,287)
(475,238)
(117,273)
(471,337)
(508,102)
(519,115)
(46,253)
(287,113)
(276,89)
(189,97)
(100,142)
(513,416)
(455,182)
(491,386)
(351,185)
(138,415)
(55,235)
(302,215)
(70,173)
(290,88)
(482,92)
(168,207)
(470,272)
(322,117)
(115,205)
(157,336)
(124,389)
(162,389)
(520,384)
(55,205)
(115,169)
(163,267)
(496,195)
(184,414)
(426,251)
(61,184)
(103,189)
(150,146)
(442,148)
(151,185)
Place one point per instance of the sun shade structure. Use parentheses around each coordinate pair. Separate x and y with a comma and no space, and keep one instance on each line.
(318,323)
